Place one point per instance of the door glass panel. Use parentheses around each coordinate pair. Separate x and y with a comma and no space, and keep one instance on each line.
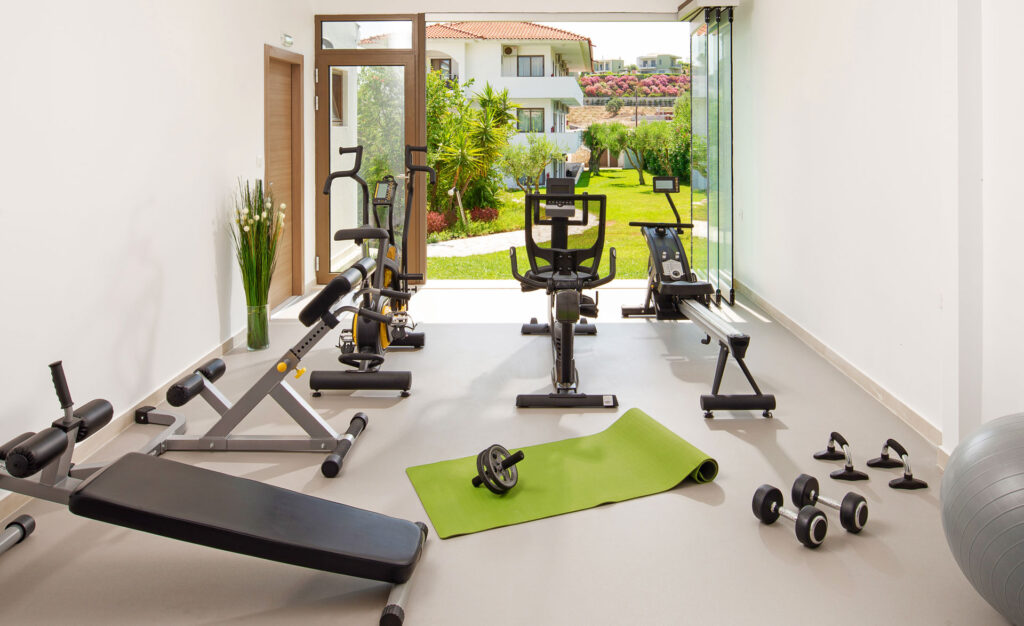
(714,174)
(367,109)
(699,151)
(367,35)
(725,213)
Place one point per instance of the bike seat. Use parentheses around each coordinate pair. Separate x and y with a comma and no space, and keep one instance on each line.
(545,273)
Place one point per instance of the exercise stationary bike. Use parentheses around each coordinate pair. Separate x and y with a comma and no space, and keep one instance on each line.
(674,292)
(364,343)
(561,271)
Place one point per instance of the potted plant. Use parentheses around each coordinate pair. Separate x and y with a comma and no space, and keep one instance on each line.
(257,230)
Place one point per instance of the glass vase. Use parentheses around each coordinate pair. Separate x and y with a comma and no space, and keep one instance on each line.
(258,337)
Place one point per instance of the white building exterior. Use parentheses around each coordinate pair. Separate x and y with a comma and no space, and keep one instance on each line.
(537,64)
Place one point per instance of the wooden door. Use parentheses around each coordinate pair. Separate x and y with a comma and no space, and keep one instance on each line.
(283,161)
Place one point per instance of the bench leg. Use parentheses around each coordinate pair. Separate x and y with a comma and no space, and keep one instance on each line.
(15,532)
(394,612)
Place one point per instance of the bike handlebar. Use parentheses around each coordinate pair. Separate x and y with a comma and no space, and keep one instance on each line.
(349,173)
(419,168)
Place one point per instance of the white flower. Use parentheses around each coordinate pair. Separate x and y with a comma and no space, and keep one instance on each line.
(256,219)
(264,215)
(268,205)
(245,210)
(245,229)
(283,206)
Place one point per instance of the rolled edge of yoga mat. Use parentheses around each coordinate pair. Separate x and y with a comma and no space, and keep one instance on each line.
(705,472)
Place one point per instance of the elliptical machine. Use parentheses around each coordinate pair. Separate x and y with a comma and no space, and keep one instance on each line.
(564,277)
(364,343)
(674,292)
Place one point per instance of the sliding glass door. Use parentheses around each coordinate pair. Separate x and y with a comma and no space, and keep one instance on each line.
(711,194)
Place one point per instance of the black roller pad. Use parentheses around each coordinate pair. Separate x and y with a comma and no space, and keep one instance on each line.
(204,507)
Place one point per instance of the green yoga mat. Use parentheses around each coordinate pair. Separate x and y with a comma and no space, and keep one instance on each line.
(636,456)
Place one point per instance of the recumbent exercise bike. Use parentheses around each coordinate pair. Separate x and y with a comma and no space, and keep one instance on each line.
(563,273)
(674,292)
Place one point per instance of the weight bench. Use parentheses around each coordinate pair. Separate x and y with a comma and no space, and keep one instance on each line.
(179,501)
(320,316)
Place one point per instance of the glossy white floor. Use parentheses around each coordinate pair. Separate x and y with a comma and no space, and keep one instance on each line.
(692,555)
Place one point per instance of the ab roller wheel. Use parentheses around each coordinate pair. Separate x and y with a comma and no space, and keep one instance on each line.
(496,469)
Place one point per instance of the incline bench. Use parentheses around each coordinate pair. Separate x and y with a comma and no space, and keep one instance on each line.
(179,501)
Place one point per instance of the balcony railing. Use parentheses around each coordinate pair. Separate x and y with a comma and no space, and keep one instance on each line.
(563,88)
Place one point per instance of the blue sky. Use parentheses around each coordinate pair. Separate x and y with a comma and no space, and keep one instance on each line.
(628,40)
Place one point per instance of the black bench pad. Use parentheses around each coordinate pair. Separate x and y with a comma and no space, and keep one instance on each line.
(179,501)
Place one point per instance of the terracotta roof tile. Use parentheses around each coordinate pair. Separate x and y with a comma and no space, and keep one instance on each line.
(499,30)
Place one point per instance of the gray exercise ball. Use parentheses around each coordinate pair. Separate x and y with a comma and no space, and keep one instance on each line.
(983,512)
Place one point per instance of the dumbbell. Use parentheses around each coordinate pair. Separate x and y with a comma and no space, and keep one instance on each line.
(811,524)
(853,510)
(496,469)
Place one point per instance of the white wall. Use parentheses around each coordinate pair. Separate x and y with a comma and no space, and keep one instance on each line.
(133,120)
(1003,209)
(125,127)
(845,161)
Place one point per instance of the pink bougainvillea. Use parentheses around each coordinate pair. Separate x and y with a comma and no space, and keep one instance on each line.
(654,85)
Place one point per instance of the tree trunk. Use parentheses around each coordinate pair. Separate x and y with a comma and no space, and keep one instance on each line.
(637,163)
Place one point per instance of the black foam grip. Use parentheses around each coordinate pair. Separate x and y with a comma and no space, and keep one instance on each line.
(896,447)
(358,423)
(213,369)
(375,316)
(10,445)
(27,524)
(836,437)
(365,265)
(321,303)
(395,295)
(185,389)
(411,276)
(94,414)
(60,384)
(36,452)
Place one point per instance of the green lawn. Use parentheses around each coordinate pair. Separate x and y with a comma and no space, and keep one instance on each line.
(627,201)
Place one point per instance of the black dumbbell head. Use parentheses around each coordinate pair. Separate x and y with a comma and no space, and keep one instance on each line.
(766,504)
(853,513)
(811,526)
(805,490)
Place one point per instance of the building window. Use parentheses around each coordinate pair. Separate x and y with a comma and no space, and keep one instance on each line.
(441,65)
(531,120)
(532,65)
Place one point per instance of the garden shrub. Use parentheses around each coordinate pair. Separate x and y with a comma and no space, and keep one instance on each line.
(483,214)
(436,222)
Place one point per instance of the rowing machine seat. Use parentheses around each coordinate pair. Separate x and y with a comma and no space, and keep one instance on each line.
(685,288)
(187,503)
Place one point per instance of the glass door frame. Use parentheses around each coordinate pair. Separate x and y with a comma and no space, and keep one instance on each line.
(414,62)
